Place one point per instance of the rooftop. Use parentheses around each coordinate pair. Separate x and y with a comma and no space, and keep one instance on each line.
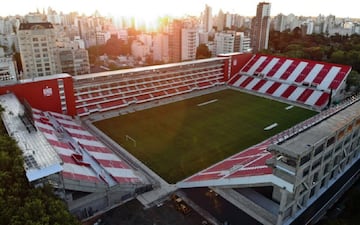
(35,26)
(145,69)
(49,77)
(84,157)
(40,158)
(301,144)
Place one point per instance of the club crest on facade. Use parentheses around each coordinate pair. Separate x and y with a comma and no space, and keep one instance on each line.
(47,91)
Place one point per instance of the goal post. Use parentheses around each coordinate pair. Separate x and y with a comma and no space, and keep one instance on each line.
(128,138)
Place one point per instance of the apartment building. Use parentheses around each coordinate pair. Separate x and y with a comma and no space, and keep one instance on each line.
(37,43)
(189,43)
(314,160)
(231,41)
(260,27)
(8,70)
(74,61)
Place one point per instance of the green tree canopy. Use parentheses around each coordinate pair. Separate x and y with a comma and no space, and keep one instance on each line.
(20,203)
(203,52)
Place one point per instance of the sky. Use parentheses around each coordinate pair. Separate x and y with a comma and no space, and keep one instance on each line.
(155,8)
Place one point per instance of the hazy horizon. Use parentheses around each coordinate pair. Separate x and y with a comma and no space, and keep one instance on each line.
(157,8)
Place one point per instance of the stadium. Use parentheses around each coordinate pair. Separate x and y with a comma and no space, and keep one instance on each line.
(230,123)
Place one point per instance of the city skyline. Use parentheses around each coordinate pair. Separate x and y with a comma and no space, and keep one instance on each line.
(149,10)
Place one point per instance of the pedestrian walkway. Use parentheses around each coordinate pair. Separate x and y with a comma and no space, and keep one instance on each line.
(156,196)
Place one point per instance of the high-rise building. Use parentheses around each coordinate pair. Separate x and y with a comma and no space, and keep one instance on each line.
(8,70)
(203,38)
(220,21)
(74,61)
(228,20)
(224,42)
(102,37)
(88,30)
(9,42)
(207,19)
(161,48)
(260,27)
(140,50)
(37,43)
(189,43)
(175,28)
(242,42)
(231,41)
(280,22)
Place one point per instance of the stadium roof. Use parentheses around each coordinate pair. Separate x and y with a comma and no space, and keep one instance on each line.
(305,142)
(85,158)
(248,167)
(145,69)
(40,158)
(302,81)
(49,77)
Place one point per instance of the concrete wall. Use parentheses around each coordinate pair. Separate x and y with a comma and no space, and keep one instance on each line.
(45,94)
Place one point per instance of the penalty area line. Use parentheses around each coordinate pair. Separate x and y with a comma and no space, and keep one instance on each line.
(208,102)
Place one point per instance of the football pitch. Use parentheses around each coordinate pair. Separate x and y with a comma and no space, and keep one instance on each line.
(179,139)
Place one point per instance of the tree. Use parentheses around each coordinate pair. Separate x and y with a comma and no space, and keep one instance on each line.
(203,52)
(353,81)
(315,53)
(113,46)
(20,203)
(297,32)
(95,52)
(338,56)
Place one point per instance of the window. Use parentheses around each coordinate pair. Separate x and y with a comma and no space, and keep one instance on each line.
(315,177)
(305,172)
(347,140)
(356,132)
(332,174)
(330,141)
(341,134)
(357,122)
(312,192)
(337,160)
(319,149)
(327,156)
(305,159)
(326,168)
(338,147)
(316,164)
(322,183)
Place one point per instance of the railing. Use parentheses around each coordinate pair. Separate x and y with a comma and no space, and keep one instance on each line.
(278,138)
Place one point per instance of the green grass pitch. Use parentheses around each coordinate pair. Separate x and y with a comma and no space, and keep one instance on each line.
(182,138)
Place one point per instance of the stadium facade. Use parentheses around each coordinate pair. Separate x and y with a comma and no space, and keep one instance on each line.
(307,166)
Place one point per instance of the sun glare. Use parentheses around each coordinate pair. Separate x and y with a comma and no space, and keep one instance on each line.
(144,15)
